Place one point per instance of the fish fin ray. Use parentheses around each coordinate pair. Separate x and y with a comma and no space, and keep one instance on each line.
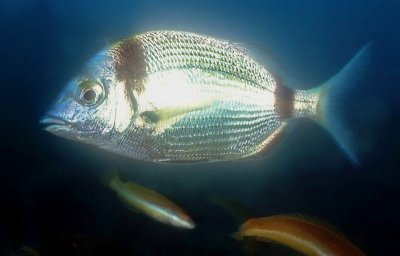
(165,117)
(332,94)
(166,113)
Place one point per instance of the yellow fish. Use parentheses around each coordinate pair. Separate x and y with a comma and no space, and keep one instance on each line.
(151,203)
(300,234)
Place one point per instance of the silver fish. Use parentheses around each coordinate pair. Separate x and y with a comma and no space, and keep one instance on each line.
(183,97)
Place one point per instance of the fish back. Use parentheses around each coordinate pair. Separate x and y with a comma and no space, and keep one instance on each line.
(166,50)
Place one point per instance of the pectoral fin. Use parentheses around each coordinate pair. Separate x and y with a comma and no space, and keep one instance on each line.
(167,116)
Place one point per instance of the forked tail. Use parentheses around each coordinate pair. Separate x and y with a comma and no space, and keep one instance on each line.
(330,101)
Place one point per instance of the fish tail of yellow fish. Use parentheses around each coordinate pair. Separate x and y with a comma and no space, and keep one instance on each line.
(111,179)
(237,236)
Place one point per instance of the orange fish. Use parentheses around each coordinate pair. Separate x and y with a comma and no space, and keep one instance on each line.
(298,233)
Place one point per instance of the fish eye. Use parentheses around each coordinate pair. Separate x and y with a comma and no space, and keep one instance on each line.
(90,92)
(89,96)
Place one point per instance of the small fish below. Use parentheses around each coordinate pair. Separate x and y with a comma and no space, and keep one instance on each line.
(25,250)
(171,96)
(299,233)
(151,203)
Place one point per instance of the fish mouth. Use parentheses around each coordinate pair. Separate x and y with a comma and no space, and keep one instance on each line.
(54,124)
(189,225)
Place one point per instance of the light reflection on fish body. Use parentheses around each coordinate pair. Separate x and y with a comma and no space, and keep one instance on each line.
(151,203)
(170,96)
(298,233)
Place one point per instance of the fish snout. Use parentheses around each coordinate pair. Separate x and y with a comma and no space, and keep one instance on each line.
(53,124)
(185,222)
(189,224)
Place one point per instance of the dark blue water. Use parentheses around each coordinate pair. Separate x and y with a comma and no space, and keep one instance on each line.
(51,196)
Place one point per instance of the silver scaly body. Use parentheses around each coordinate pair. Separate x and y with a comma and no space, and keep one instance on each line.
(199,99)
(169,96)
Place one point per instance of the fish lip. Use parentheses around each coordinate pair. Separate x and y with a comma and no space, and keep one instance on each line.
(54,124)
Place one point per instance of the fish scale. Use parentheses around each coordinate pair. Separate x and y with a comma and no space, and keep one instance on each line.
(230,137)
(216,128)
(214,137)
(183,97)
(184,50)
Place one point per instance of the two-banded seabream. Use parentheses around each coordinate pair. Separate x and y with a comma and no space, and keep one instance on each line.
(183,97)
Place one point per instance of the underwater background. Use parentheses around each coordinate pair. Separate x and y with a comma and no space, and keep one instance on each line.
(51,194)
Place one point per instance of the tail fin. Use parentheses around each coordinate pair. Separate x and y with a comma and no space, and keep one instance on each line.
(110,179)
(331,94)
(234,208)
(236,235)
